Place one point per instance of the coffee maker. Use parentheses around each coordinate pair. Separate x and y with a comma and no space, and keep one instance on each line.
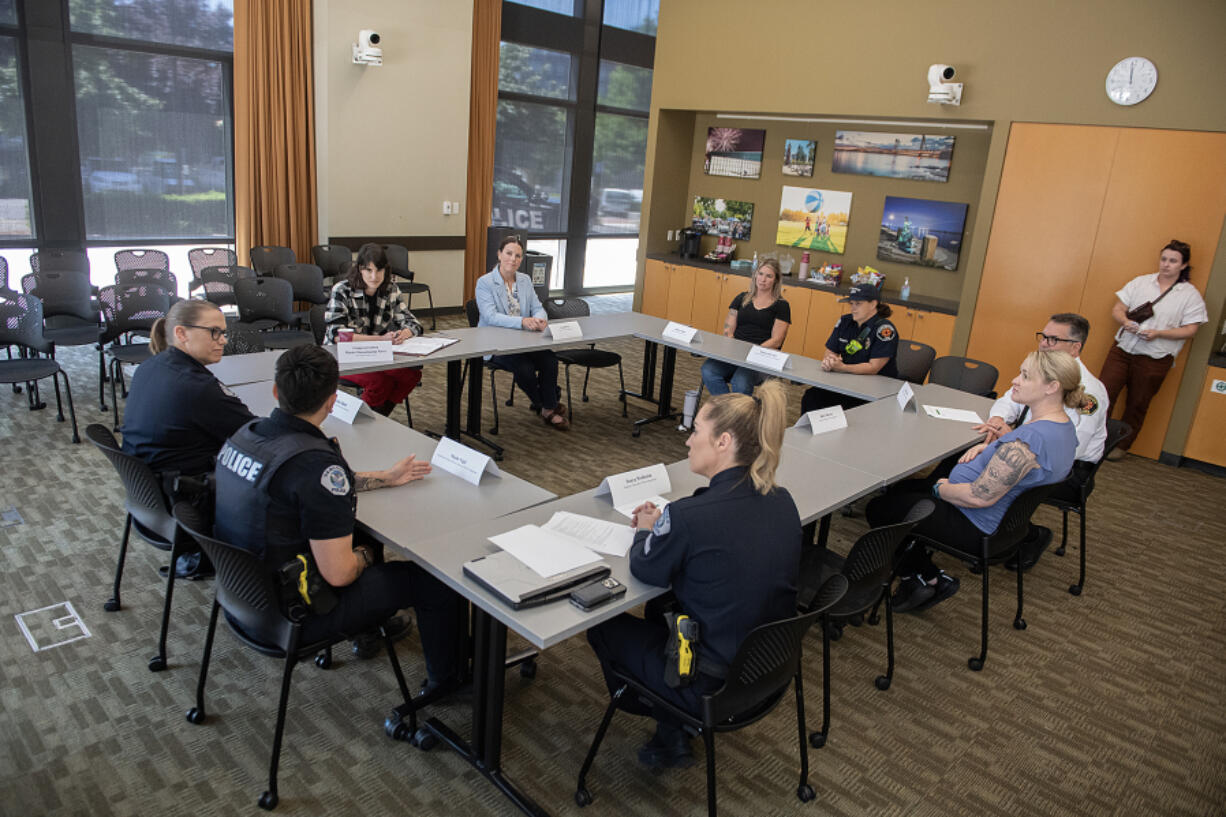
(690,242)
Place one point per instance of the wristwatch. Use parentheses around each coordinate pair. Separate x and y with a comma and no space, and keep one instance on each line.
(936,490)
(367,561)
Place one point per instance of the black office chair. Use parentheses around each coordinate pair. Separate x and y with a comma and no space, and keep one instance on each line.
(1072,496)
(333,259)
(70,313)
(307,281)
(248,593)
(60,261)
(997,548)
(127,311)
(143,277)
(590,358)
(765,665)
(267,258)
(964,374)
(218,283)
(141,259)
(147,512)
(474,315)
(21,325)
(914,359)
(265,304)
(201,258)
(242,342)
(398,264)
(869,570)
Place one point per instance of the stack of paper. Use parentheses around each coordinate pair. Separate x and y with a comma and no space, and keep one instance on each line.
(421,346)
(546,552)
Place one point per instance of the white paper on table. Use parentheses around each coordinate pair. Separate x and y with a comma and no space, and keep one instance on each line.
(906,396)
(596,534)
(422,345)
(772,359)
(464,462)
(961,415)
(346,407)
(545,552)
(364,351)
(679,332)
(822,420)
(565,330)
(627,510)
(634,487)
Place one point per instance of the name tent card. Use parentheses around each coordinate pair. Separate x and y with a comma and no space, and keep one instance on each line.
(364,351)
(679,332)
(823,420)
(462,461)
(906,397)
(346,407)
(772,359)
(959,415)
(633,488)
(566,330)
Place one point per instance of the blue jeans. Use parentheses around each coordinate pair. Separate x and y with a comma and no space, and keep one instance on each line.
(721,378)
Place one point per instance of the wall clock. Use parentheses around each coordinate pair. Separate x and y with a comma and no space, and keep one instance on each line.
(1131,80)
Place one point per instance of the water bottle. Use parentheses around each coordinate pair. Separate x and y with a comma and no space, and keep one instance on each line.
(755,261)
(905,293)
(804,265)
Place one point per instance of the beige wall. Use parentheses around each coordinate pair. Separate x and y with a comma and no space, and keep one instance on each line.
(1041,61)
(392,141)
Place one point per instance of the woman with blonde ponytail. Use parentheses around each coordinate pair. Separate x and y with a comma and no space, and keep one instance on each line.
(730,552)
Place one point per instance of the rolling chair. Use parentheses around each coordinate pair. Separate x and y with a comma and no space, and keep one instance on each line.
(265,304)
(964,374)
(590,358)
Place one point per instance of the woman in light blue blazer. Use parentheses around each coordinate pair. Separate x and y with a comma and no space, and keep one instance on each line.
(505,298)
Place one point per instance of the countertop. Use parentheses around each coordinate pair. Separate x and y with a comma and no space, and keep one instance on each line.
(941,305)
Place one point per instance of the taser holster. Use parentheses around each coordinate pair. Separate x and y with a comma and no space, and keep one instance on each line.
(681,652)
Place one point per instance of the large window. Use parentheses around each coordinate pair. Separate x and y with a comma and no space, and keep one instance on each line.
(574,96)
(16,217)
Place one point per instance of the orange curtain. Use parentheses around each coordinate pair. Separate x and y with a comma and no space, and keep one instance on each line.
(482,114)
(274,127)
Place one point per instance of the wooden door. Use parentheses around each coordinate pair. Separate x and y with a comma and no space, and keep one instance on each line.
(1206,442)
(655,288)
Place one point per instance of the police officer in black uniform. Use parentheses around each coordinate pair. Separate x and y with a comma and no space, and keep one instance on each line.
(864,341)
(283,489)
(731,553)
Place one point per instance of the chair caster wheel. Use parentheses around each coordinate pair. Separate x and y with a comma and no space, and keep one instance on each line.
(874,620)
(583,797)
(1074,589)
(424,739)
(975,664)
(1059,551)
(856,620)
(805,793)
(527,670)
(268,801)
(397,730)
(1019,623)
(195,715)
(585,398)
(975,570)
(157,663)
(111,605)
(324,660)
(635,433)
(817,740)
(882,682)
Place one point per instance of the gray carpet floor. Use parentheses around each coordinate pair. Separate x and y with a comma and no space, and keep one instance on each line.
(1108,704)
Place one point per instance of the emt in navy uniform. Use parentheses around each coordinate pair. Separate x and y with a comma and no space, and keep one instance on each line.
(287,490)
(731,553)
(864,341)
(178,414)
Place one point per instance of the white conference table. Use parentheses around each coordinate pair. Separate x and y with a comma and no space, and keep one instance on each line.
(236,370)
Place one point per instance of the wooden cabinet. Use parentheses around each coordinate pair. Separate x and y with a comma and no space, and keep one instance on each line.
(680,293)
(824,313)
(799,299)
(1206,442)
(933,328)
(708,312)
(655,288)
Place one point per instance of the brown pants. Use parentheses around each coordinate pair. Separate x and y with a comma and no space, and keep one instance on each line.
(1143,378)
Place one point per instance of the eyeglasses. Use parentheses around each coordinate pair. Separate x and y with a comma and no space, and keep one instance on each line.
(215,332)
(1040,337)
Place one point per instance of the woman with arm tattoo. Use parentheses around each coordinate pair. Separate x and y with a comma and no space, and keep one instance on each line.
(973,500)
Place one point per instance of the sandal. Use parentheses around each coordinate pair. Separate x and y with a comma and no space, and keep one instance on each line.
(555,419)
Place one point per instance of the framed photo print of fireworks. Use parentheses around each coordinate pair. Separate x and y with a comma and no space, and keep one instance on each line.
(734,152)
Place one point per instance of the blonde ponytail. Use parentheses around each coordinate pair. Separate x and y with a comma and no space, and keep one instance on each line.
(159,340)
(756,424)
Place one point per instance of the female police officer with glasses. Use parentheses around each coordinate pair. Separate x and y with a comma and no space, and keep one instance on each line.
(864,341)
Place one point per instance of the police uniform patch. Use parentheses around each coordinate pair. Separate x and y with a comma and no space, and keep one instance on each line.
(662,526)
(226,390)
(1089,405)
(335,480)
(885,332)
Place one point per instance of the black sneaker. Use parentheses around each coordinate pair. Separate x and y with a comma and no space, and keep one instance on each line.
(1031,548)
(190,566)
(370,643)
(669,748)
(912,592)
(450,690)
(945,587)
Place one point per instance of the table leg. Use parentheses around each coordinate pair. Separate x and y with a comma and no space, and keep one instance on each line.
(455,386)
(664,408)
(485,752)
(648,389)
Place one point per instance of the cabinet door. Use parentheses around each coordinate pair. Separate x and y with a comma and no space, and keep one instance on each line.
(903,319)
(934,328)
(824,312)
(729,286)
(798,299)
(707,312)
(680,294)
(655,288)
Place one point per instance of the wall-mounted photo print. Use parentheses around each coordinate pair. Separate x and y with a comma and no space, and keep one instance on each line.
(813,219)
(734,152)
(723,217)
(919,231)
(915,156)
(798,156)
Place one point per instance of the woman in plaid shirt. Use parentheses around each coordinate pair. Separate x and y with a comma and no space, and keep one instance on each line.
(368,302)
